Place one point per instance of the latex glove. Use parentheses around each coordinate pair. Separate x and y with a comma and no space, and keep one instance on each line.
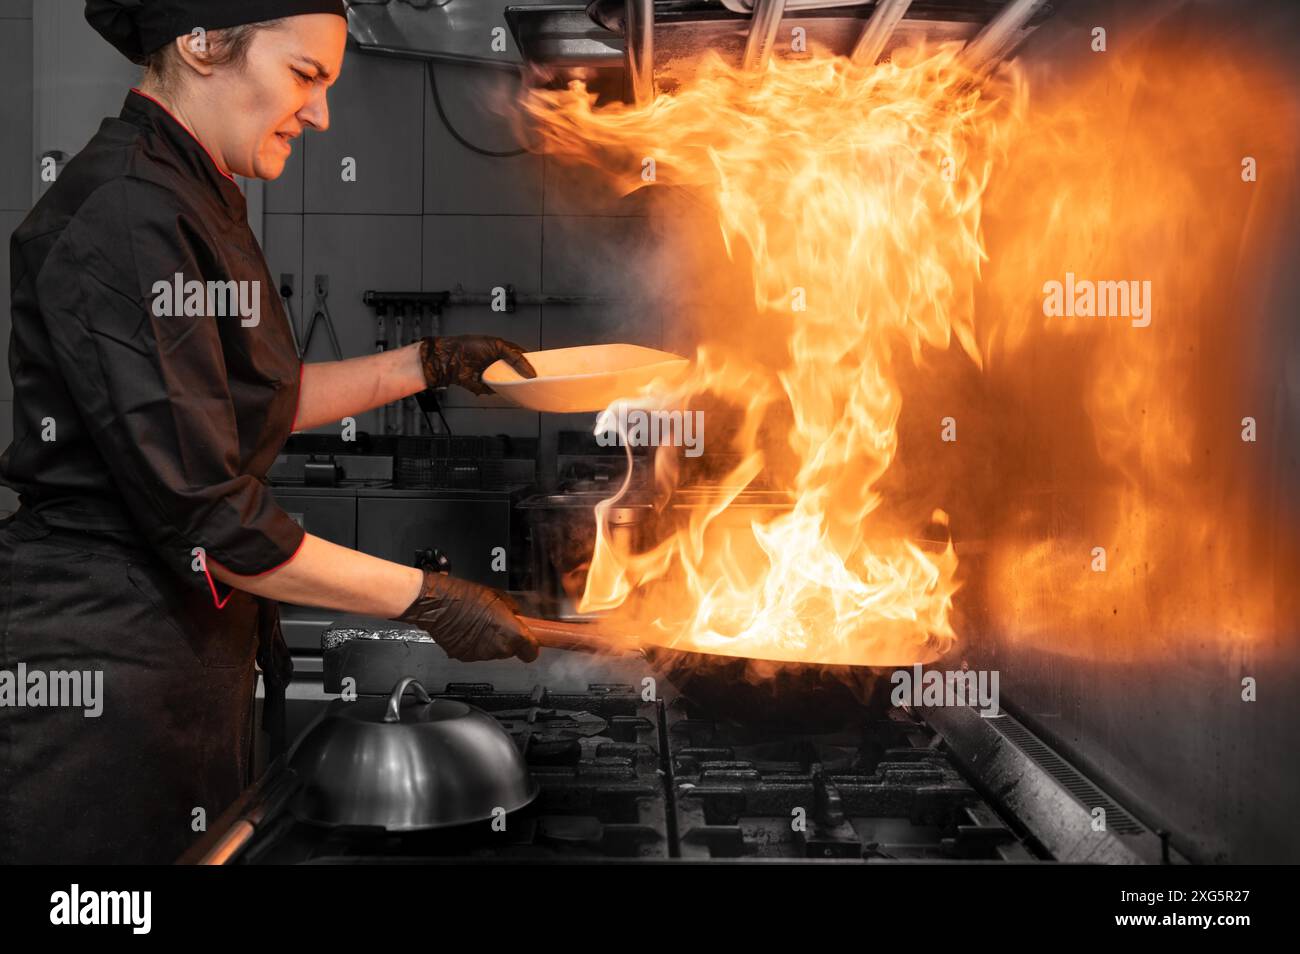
(469,621)
(462,359)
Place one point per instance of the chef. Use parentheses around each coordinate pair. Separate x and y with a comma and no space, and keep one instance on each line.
(148,551)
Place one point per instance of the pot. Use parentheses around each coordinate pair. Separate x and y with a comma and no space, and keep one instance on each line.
(563,534)
(562,528)
(377,763)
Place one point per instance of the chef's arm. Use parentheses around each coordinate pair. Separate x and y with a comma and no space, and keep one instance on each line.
(334,390)
(467,620)
(327,575)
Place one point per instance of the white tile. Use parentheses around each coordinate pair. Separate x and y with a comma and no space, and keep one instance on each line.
(376,119)
(460,180)
(480,252)
(358,253)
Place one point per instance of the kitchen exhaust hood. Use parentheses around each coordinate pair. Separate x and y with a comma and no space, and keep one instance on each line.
(656,44)
(456,31)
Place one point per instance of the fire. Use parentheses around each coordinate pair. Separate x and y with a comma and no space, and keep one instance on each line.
(1136,171)
(882,213)
(856,192)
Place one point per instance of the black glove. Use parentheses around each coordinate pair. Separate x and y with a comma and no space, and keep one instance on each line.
(469,621)
(462,359)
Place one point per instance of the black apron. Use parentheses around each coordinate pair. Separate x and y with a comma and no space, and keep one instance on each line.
(174,733)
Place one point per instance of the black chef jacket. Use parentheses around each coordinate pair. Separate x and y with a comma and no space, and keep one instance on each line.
(128,416)
(140,436)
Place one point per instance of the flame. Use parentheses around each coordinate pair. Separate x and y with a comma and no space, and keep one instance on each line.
(876,212)
(1134,171)
(856,193)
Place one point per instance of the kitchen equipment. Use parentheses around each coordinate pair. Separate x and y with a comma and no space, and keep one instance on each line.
(759,690)
(437,30)
(764,24)
(321,472)
(661,51)
(562,528)
(586,378)
(377,763)
(369,656)
(286,298)
(433,303)
(801,697)
(751,691)
(321,313)
(580,637)
(631,778)
(254,810)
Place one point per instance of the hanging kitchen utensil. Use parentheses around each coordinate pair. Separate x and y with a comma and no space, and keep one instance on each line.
(321,312)
(434,763)
(286,299)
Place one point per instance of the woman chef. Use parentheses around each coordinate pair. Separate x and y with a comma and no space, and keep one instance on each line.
(148,547)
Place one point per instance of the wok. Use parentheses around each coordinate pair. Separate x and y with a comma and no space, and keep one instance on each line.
(778,694)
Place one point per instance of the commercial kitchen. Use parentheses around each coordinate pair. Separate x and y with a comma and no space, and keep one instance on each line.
(910,472)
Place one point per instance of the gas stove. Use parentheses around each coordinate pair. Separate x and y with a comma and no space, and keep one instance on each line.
(883,791)
(626,778)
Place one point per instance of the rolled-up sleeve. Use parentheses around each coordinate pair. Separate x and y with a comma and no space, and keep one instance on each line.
(153,388)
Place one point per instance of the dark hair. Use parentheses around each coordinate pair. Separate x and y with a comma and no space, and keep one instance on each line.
(228,47)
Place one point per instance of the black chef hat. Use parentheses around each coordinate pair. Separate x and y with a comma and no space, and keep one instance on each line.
(140,27)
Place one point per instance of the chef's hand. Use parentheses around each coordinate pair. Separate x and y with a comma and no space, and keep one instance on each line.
(469,621)
(463,359)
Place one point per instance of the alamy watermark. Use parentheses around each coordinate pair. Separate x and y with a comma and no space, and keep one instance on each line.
(916,687)
(127,908)
(636,427)
(58,688)
(1083,298)
(178,298)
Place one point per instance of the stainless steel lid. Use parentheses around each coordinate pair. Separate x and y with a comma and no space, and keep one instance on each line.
(380,763)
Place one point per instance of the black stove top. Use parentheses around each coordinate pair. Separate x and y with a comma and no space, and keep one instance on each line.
(626,778)
(884,790)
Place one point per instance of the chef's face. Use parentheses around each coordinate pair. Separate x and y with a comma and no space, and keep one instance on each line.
(277,92)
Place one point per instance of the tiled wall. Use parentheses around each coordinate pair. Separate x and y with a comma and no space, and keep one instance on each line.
(15,172)
(427,213)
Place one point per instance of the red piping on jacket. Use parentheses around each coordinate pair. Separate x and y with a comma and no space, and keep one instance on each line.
(221,603)
(139,92)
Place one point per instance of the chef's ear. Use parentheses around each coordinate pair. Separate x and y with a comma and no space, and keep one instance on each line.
(195,50)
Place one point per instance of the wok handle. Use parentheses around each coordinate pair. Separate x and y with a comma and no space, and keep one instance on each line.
(579,637)
(394,713)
